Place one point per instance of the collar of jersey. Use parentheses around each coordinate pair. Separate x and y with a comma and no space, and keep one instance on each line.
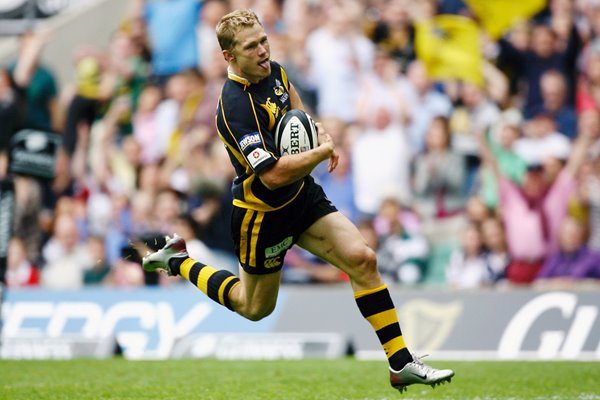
(237,78)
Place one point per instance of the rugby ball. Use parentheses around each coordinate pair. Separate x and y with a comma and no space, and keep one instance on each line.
(295,133)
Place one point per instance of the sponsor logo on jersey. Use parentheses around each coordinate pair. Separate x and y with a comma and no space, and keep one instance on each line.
(249,140)
(284,98)
(279,247)
(273,262)
(257,156)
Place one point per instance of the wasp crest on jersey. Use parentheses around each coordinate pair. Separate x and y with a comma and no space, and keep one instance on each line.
(278,89)
(273,110)
(280,92)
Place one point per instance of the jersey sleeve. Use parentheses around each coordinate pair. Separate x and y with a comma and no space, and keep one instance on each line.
(244,133)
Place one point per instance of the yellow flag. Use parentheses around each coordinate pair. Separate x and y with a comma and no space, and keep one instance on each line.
(496,16)
(449,47)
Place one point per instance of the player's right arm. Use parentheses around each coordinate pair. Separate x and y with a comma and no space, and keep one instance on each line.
(294,167)
(247,137)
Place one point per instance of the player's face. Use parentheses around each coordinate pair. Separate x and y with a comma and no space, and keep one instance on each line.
(251,54)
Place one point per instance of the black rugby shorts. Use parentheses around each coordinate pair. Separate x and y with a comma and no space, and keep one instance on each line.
(263,238)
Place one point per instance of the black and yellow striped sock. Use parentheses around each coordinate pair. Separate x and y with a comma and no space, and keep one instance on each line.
(216,284)
(377,307)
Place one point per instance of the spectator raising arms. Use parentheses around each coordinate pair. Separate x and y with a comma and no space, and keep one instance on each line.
(533,213)
(42,110)
(27,94)
(543,54)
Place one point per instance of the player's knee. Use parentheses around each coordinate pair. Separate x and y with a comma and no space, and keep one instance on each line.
(363,261)
(256,313)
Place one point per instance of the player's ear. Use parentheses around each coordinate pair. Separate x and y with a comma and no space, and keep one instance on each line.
(228,55)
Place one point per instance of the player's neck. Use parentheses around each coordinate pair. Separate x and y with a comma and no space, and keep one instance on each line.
(238,76)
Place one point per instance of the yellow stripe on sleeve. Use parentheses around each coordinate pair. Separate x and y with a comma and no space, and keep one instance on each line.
(284,78)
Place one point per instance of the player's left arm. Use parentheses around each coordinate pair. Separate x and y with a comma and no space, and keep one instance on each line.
(295,99)
(296,103)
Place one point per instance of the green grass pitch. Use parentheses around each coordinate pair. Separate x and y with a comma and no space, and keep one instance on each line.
(288,380)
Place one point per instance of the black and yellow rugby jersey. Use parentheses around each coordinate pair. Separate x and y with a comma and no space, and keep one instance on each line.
(246,117)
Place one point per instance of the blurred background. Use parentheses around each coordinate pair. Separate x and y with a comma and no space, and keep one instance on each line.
(468,133)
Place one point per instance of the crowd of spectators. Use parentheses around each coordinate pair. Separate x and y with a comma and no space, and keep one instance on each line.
(449,181)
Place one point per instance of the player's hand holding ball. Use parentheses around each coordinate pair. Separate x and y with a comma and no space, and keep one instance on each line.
(326,140)
(296,132)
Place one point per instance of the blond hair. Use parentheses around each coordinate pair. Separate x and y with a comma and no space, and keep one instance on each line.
(231,24)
